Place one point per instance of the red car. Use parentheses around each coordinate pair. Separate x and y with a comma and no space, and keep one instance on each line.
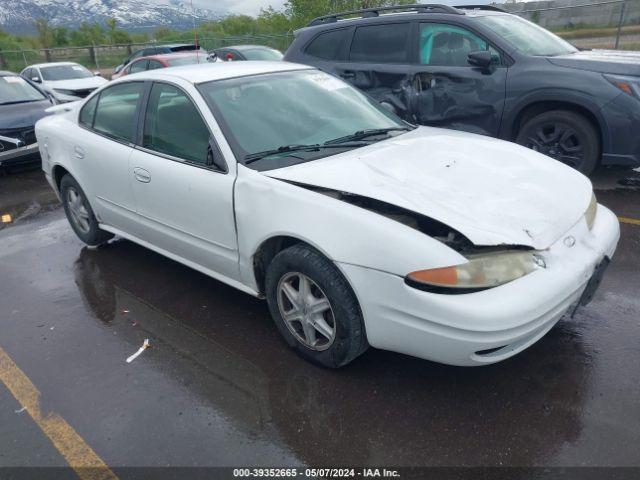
(153,62)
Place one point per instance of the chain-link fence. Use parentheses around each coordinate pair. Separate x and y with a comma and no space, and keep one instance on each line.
(607,24)
(105,57)
(613,24)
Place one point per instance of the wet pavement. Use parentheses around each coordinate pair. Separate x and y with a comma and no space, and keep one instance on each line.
(218,387)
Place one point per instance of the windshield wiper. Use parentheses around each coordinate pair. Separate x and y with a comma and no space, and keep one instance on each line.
(362,134)
(315,147)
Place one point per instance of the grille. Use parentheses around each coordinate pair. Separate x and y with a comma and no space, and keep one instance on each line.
(27,135)
(83,93)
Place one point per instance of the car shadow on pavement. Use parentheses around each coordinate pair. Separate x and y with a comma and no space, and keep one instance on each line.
(385,408)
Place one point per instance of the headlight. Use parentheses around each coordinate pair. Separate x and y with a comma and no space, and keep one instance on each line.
(629,85)
(479,273)
(592,209)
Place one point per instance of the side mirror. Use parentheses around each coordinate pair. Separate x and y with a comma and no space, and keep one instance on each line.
(214,157)
(97,74)
(212,57)
(36,79)
(480,58)
(118,68)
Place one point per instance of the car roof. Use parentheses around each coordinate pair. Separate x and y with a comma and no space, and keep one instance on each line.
(206,72)
(244,47)
(52,64)
(408,15)
(169,56)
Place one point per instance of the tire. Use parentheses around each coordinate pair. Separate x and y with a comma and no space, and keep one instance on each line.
(343,316)
(565,136)
(79,213)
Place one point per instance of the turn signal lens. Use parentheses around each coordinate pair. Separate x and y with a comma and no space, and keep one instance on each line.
(592,209)
(480,272)
(629,85)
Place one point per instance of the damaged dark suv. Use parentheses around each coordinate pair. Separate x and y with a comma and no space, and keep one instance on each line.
(479,69)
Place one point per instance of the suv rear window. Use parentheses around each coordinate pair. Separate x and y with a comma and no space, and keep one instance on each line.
(328,45)
(387,43)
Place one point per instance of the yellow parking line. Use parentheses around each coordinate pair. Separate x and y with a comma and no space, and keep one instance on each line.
(631,221)
(86,463)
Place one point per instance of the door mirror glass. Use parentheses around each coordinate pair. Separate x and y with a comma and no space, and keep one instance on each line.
(480,58)
(35,79)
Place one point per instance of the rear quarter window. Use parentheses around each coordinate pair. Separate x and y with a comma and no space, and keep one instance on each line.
(88,112)
(328,45)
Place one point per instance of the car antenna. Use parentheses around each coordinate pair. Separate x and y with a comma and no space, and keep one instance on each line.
(195,32)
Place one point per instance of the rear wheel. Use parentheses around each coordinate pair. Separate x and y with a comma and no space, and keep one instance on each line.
(79,213)
(314,307)
(565,136)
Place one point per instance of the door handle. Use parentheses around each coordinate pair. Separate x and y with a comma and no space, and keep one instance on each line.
(78,152)
(348,75)
(141,175)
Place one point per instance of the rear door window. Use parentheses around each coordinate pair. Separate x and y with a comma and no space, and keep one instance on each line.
(328,45)
(385,43)
(116,113)
(139,66)
(154,65)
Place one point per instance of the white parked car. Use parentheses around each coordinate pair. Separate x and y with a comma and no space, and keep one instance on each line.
(358,228)
(65,81)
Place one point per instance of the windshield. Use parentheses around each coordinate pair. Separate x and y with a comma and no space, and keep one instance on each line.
(527,37)
(265,112)
(65,72)
(262,54)
(190,60)
(14,89)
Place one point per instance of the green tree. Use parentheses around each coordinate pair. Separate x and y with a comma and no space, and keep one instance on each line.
(45,32)
(60,36)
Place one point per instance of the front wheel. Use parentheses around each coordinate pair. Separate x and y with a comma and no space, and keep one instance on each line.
(314,307)
(79,213)
(565,136)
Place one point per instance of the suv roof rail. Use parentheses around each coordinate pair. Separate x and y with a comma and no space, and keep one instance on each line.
(491,8)
(374,12)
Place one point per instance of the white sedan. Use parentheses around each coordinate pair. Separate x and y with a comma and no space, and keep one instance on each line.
(358,228)
(65,81)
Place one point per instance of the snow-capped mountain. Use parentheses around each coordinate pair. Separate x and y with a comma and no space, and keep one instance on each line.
(17,16)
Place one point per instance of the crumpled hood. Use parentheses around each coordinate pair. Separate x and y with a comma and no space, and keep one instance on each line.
(603,61)
(493,192)
(77,84)
(22,115)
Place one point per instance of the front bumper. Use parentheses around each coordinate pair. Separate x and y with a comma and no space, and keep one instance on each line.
(18,155)
(487,326)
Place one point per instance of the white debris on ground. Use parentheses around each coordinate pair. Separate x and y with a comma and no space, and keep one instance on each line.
(144,346)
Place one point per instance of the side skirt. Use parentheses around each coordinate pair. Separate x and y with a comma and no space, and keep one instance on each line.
(215,275)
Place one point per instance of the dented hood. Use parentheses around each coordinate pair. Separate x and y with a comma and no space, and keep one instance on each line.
(491,191)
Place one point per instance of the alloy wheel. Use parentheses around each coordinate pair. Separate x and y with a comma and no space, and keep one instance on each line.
(306,311)
(558,141)
(78,210)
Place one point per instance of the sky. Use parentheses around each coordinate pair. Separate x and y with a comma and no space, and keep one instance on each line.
(248,7)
